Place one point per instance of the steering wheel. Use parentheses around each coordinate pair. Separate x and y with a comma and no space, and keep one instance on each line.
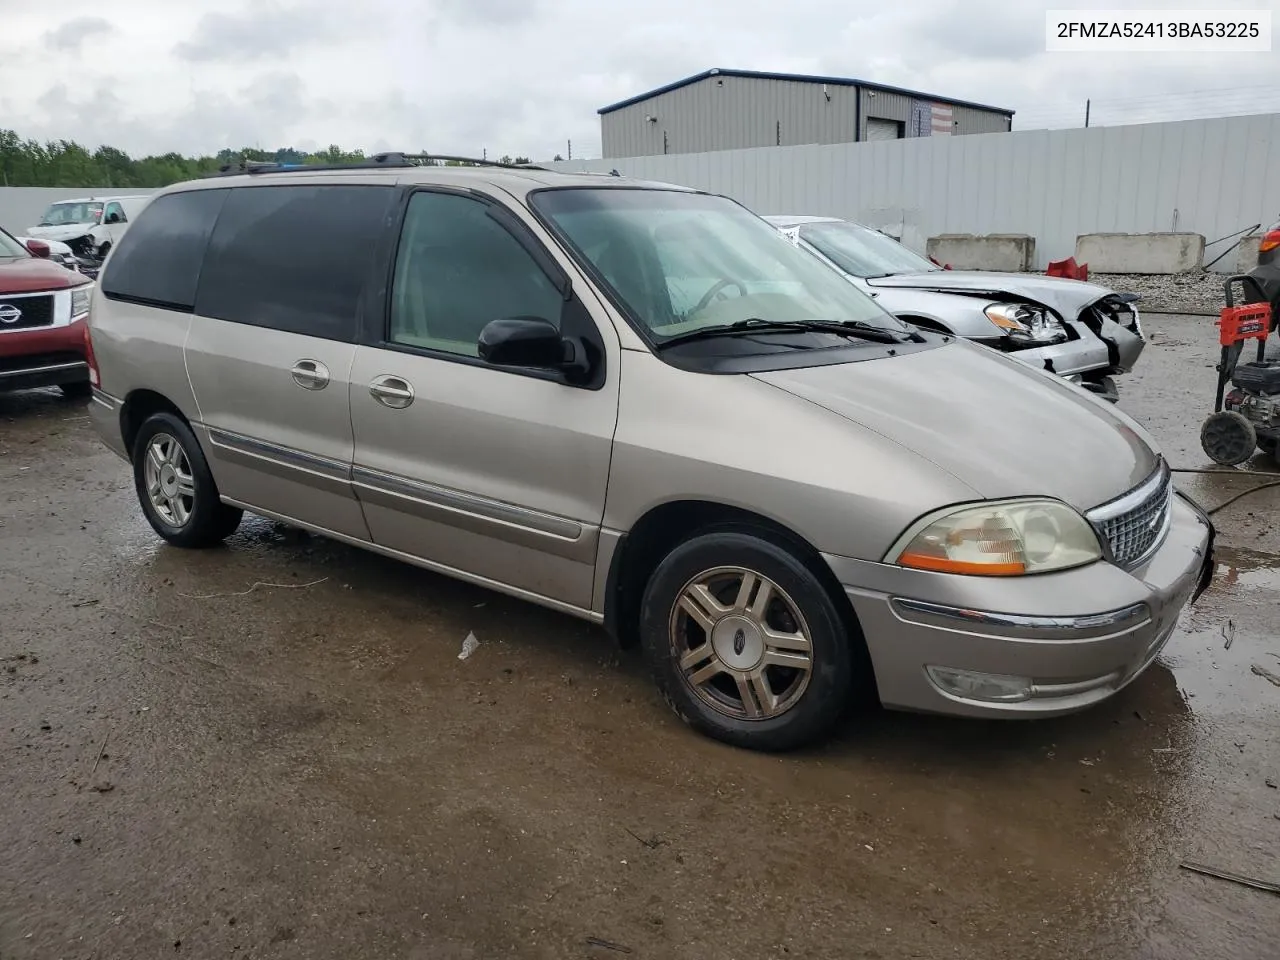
(716,288)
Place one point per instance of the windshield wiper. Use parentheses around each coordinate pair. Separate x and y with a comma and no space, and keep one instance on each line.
(849,328)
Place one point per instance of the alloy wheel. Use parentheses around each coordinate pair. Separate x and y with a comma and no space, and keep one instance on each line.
(171,487)
(743,645)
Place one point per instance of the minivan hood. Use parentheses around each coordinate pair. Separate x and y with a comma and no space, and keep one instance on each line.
(1000,426)
(1067,297)
(63,231)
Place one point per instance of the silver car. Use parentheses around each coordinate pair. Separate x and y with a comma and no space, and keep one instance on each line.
(1082,332)
(641,406)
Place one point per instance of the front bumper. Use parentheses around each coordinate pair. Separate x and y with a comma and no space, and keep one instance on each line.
(43,357)
(1069,358)
(1069,639)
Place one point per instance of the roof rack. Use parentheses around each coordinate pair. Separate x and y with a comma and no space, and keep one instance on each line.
(406,159)
(378,160)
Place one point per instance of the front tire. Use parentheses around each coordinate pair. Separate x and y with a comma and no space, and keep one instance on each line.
(175,486)
(746,643)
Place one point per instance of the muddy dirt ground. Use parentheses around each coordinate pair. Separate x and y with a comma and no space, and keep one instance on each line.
(198,762)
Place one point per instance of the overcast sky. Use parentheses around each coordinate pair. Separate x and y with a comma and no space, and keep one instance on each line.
(524,76)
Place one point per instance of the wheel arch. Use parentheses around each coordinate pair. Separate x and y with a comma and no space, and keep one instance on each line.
(137,407)
(665,526)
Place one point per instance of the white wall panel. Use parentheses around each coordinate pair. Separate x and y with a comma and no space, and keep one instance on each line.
(1211,177)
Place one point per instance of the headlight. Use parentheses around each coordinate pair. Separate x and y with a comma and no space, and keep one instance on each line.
(1024,323)
(1005,539)
(80,297)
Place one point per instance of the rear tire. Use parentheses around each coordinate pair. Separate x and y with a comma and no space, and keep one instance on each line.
(80,390)
(175,486)
(746,643)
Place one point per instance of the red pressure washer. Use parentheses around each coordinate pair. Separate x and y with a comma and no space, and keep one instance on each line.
(1248,417)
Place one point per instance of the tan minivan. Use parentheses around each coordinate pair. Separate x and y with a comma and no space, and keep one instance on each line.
(640,405)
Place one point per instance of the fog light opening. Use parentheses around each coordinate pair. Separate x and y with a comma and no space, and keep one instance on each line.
(972,685)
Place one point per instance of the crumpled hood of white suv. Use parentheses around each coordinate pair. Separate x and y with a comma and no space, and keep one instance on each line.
(1002,427)
(63,231)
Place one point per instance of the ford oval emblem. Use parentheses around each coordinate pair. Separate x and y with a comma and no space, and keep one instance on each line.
(739,642)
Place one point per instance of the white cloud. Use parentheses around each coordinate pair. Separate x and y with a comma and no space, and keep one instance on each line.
(525,76)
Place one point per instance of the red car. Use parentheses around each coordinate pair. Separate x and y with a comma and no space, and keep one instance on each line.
(43,306)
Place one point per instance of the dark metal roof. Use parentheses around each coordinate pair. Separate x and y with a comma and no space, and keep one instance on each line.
(801,78)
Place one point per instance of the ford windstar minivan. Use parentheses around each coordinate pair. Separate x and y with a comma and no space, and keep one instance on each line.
(640,405)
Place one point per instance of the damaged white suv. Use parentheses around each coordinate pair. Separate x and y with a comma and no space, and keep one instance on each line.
(90,226)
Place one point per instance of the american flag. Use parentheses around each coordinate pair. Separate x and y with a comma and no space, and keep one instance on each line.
(942,119)
(930,119)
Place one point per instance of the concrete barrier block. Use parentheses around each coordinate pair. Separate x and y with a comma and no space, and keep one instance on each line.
(1152,253)
(1003,252)
(1246,253)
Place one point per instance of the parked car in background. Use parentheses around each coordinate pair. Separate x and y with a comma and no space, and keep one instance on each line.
(1080,331)
(43,306)
(641,406)
(88,225)
(59,253)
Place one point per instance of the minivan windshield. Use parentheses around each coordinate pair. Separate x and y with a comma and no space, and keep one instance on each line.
(862,252)
(680,262)
(57,214)
(10,248)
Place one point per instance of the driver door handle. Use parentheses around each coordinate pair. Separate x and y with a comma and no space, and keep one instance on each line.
(310,374)
(393,392)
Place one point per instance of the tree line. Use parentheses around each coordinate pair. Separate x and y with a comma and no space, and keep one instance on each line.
(65,163)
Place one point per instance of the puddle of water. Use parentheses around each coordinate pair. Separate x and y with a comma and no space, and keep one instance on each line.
(1251,569)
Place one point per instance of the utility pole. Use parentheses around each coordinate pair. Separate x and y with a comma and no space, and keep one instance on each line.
(569,145)
(1086,112)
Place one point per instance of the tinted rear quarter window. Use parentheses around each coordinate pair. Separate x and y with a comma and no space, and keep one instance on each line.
(294,257)
(157,262)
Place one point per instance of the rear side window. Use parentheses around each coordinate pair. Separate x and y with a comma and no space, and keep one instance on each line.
(158,261)
(294,258)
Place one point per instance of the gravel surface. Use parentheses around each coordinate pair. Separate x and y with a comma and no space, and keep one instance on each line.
(1186,293)
(1169,293)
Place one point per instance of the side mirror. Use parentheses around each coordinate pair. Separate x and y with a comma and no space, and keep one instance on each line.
(523,342)
(38,248)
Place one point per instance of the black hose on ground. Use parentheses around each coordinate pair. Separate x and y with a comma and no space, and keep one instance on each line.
(1237,473)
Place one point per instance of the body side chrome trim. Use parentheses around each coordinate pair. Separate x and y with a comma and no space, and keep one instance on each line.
(323,473)
(425,564)
(1125,618)
(288,456)
(104,399)
(459,502)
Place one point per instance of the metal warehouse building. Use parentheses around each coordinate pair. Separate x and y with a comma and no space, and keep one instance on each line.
(732,109)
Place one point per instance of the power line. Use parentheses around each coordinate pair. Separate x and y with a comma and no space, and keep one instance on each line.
(1227,99)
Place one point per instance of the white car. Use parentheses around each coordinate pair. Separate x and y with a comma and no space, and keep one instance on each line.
(58,252)
(1080,331)
(90,226)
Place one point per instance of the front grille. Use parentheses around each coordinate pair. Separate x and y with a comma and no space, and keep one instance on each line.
(22,313)
(1134,525)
